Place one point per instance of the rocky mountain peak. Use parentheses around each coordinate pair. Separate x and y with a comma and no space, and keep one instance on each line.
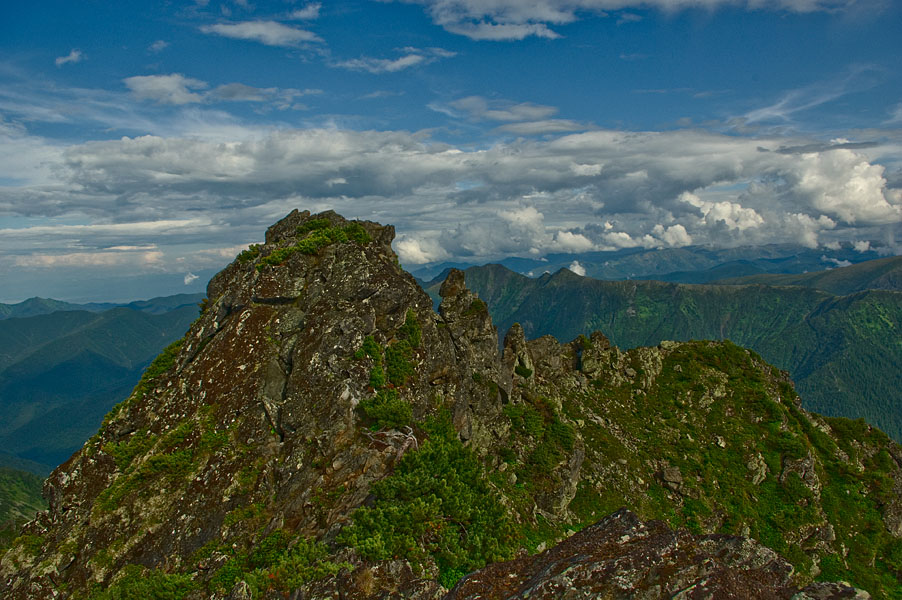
(321,432)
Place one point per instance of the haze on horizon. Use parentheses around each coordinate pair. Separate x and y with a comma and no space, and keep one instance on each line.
(142,147)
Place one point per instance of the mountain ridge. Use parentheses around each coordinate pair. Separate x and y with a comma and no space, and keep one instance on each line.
(820,338)
(321,428)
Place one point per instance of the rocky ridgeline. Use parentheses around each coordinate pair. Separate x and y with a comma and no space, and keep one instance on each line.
(320,432)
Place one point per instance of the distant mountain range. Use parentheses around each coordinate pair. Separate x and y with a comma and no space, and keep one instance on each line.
(43,306)
(843,352)
(691,264)
(64,366)
(879,274)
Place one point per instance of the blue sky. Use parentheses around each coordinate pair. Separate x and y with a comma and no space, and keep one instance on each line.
(142,145)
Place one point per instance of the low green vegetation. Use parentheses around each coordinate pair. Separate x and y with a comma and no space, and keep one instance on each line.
(316,235)
(278,562)
(391,368)
(436,507)
(159,367)
(842,352)
(387,409)
(750,461)
(168,459)
(139,583)
(250,254)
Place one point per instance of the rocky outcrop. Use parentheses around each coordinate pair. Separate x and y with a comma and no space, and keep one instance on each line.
(622,557)
(318,371)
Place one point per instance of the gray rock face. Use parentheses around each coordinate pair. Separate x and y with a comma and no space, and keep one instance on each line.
(255,424)
(622,557)
(258,425)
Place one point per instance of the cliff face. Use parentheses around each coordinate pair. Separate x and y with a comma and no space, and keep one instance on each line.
(321,429)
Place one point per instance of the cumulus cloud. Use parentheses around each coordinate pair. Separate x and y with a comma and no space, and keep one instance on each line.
(75,56)
(577,268)
(594,190)
(270,33)
(166,89)
(190,278)
(412,57)
(675,236)
(505,20)
(731,215)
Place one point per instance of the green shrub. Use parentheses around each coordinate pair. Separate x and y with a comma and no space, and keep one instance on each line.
(387,409)
(125,452)
(410,330)
(369,348)
(523,371)
(397,362)
(318,234)
(250,254)
(312,225)
(525,419)
(377,376)
(476,307)
(357,233)
(275,564)
(160,365)
(436,504)
(139,583)
(304,562)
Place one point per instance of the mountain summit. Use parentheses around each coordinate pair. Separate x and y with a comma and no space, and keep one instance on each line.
(321,432)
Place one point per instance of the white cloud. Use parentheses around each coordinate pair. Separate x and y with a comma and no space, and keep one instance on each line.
(567,241)
(151,259)
(731,215)
(494,32)
(524,118)
(158,46)
(895,115)
(844,185)
(271,33)
(479,108)
(577,268)
(853,80)
(166,89)
(415,251)
(675,236)
(835,261)
(573,193)
(308,13)
(178,89)
(412,57)
(502,20)
(543,127)
(862,245)
(190,278)
(75,56)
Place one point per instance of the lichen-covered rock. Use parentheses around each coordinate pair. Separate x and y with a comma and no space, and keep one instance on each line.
(622,557)
(319,415)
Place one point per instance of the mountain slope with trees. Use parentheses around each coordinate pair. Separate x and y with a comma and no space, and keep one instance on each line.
(61,372)
(843,352)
